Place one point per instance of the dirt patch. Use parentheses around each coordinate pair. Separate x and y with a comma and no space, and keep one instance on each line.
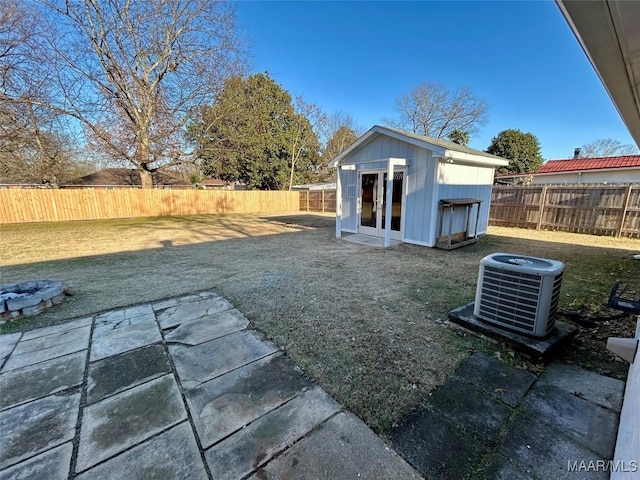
(368,324)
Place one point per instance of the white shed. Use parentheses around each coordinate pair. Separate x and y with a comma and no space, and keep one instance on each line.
(389,173)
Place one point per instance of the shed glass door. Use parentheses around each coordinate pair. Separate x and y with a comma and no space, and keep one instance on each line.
(373,193)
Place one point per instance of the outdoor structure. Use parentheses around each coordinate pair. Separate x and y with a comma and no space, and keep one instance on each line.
(111,178)
(621,169)
(314,187)
(401,176)
(218,184)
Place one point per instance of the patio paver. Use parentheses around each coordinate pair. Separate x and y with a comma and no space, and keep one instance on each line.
(201,330)
(50,465)
(491,421)
(173,454)
(433,444)
(496,378)
(35,427)
(119,372)
(343,448)
(121,421)
(42,379)
(126,330)
(253,446)
(598,389)
(63,327)
(192,308)
(226,404)
(30,352)
(593,426)
(7,344)
(545,452)
(208,360)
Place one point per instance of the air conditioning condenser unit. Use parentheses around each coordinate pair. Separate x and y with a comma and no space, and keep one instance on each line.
(519,293)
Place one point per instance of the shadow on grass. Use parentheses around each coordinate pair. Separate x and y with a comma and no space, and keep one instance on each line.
(367,323)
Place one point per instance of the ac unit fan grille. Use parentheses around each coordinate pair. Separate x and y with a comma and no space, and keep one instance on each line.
(511,298)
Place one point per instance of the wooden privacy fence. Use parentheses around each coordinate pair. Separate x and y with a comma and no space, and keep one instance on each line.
(595,209)
(31,205)
(318,201)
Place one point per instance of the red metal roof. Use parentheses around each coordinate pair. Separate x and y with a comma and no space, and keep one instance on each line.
(582,164)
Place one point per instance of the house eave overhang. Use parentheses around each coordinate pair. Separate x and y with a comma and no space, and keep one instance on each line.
(609,33)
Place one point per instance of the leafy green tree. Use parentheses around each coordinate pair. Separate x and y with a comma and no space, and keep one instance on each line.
(521,149)
(252,134)
(460,137)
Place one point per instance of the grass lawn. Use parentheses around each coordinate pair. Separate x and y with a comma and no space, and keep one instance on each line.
(367,324)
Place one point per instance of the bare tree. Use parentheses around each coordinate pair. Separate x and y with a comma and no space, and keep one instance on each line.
(308,120)
(33,144)
(607,147)
(342,130)
(131,73)
(340,120)
(431,109)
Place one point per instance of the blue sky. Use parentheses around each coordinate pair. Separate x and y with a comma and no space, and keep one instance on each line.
(358,57)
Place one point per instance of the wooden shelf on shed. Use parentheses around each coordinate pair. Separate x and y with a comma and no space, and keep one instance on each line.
(451,240)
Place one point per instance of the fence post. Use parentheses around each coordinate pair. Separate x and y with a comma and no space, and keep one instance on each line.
(623,215)
(308,194)
(543,199)
(322,201)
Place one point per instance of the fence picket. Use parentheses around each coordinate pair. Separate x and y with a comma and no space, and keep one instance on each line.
(595,209)
(30,205)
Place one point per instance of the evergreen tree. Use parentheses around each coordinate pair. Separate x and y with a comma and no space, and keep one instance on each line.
(521,149)
(251,134)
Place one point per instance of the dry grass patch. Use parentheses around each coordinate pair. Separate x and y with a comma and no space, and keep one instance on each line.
(366,323)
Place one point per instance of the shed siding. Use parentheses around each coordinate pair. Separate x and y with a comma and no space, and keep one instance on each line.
(382,147)
(459,181)
(418,203)
(481,192)
(349,205)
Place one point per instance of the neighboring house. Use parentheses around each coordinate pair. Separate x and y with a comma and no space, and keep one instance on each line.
(6,183)
(217,184)
(623,169)
(424,171)
(314,187)
(110,178)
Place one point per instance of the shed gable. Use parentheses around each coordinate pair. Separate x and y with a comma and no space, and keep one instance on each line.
(381,147)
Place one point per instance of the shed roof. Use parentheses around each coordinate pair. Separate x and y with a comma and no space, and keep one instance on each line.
(441,148)
(584,164)
(214,182)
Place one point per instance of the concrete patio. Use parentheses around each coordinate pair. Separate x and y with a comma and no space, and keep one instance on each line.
(176,389)
(492,421)
(183,388)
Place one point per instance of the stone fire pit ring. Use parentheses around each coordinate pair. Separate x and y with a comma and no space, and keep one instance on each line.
(28,298)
